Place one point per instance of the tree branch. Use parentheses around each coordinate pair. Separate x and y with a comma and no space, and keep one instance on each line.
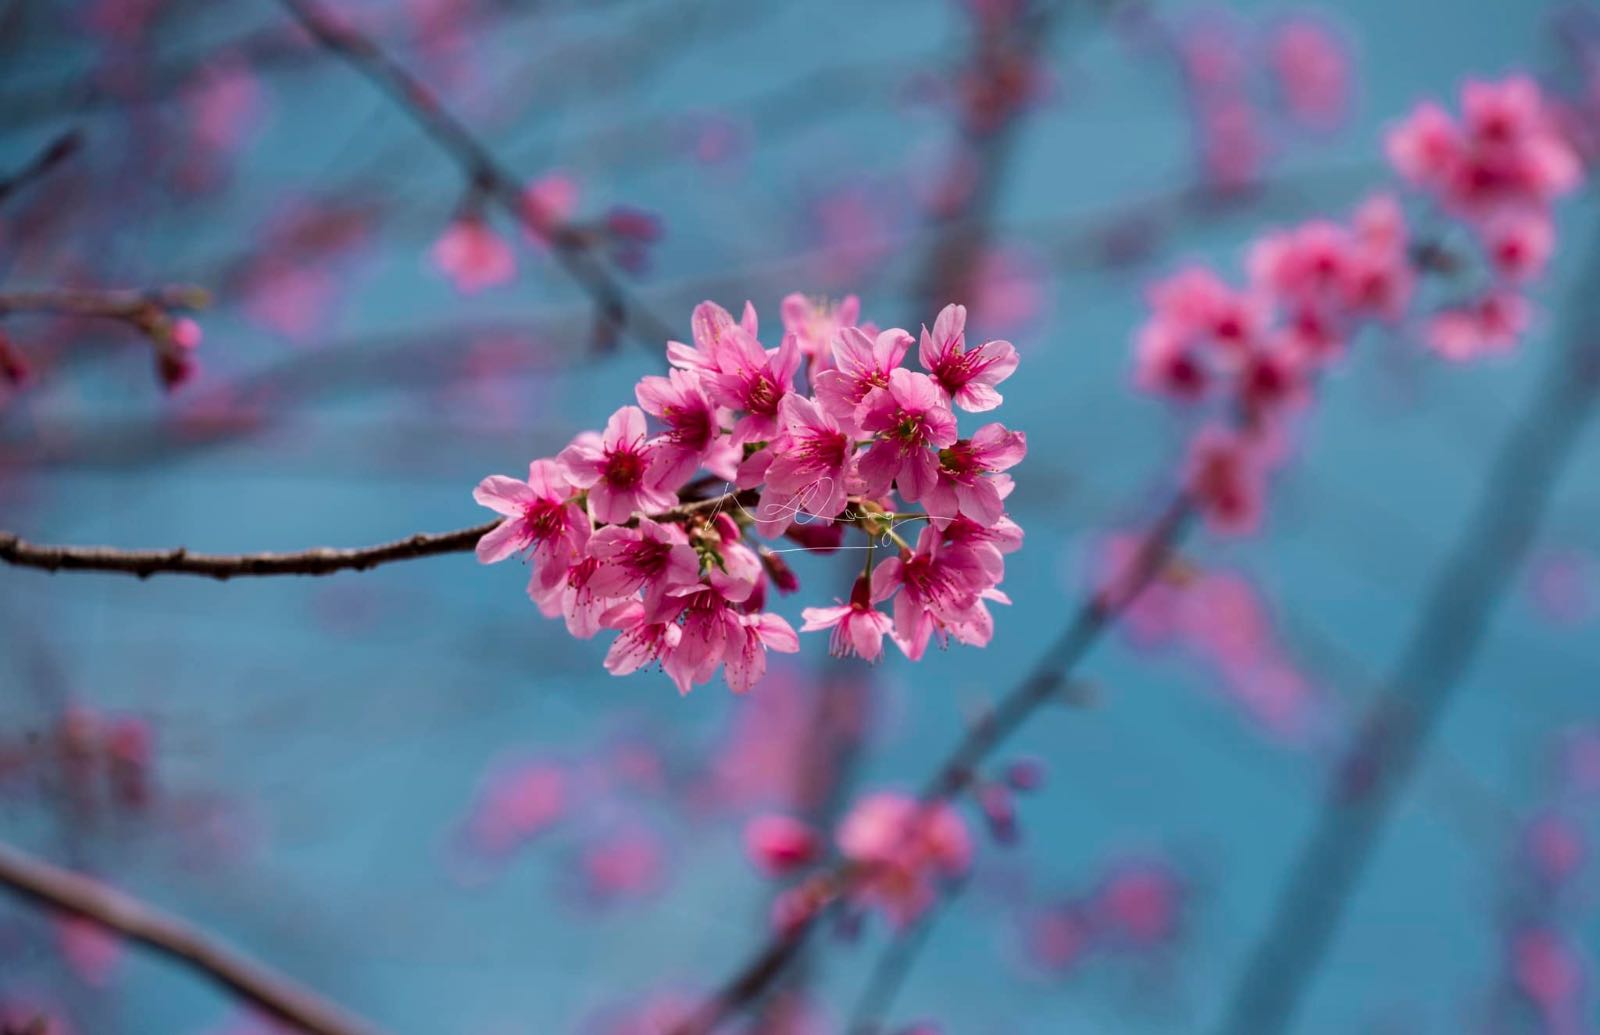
(54,153)
(178,940)
(1094,616)
(321,560)
(179,561)
(127,305)
(573,249)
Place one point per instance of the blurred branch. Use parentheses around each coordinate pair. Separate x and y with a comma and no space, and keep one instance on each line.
(1094,616)
(53,154)
(152,313)
(894,966)
(1397,727)
(266,990)
(129,306)
(572,248)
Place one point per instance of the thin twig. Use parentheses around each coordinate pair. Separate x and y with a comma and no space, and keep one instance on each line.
(1099,612)
(483,171)
(114,304)
(179,561)
(263,988)
(320,560)
(53,154)
(894,966)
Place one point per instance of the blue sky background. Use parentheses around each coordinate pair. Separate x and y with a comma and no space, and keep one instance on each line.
(335,729)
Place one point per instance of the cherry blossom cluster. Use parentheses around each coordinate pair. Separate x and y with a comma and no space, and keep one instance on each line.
(625,532)
(1247,85)
(1136,908)
(1498,171)
(100,760)
(1248,355)
(900,852)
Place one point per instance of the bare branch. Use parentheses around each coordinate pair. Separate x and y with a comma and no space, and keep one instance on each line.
(1094,617)
(128,305)
(53,154)
(176,939)
(179,561)
(321,560)
(483,171)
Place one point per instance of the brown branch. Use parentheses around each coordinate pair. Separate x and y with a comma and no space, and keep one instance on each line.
(153,313)
(131,306)
(573,248)
(179,561)
(54,153)
(320,560)
(1094,617)
(265,989)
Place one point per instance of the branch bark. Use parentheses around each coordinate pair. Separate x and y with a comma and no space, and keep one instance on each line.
(263,988)
(321,560)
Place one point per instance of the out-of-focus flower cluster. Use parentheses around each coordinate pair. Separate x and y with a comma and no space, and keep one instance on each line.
(1248,356)
(624,531)
(101,762)
(1136,908)
(900,852)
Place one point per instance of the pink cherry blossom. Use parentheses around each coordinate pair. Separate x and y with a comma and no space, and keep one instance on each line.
(781,844)
(1507,151)
(911,417)
(515,804)
(967,481)
(752,379)
(473,256)
(693,434)
(652,557)
(935,588)
(861,364)
(1519,243)
(815,323)
(548,204)
(1139,904)
(967,377)
(1227,481)
(540,515)
(858,628)
(905,848)
(813,469)
(1490,324)
(685,587)
(574,596)
(1312,69)
(715,634)
(620,469)
(711,324)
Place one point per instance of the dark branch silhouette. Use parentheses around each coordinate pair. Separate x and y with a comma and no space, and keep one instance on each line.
(53,154)
(266,990)
(572,248)
(320,560)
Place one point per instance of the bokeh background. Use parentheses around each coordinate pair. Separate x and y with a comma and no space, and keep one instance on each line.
(318,748)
